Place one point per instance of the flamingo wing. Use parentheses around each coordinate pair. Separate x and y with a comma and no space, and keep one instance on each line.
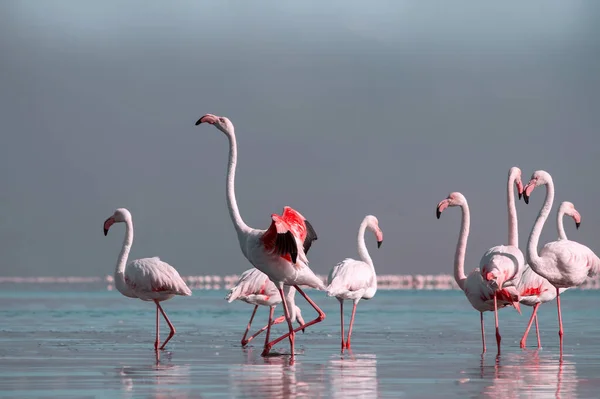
(288,235)
(150,276)
(572,256)
(350,275)
(300,226)
(251,282)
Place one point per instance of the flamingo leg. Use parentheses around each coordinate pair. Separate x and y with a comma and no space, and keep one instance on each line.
(319,318)
(244,340)
(291,334)
(271,323)
(537,332)
(482,333)
(172,332)
(531,319)
(560,327)
(498,337)
(351,325)
(157,328)
(342,322)
(271,311)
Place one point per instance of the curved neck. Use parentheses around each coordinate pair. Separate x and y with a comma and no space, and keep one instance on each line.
(362,246)
(513,226)
(461,247)
(532,254)
(559,224)
(234,212)
(122,259)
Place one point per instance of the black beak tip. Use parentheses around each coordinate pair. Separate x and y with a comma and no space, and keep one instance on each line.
(577,224)
(520,195)
(438,213)
(379,244)
(303,331)
(199,121)
(105,232)
(526,198)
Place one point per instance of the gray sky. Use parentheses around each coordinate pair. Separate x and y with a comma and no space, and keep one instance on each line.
(340,110)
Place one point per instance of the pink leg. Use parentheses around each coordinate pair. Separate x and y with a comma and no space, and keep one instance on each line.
(157,333)
(244,340)
(172,332)
(482,333)
(351,325)
(537,332)
(560,327)
(498,337)
(291,334)
(342,321)
(533,316)
(271,311)
(267,327)
(319,318)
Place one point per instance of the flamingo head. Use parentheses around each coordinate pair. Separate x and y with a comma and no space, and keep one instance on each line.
(569,209)
(222,123)
(453,199)
(538,178)
(121,215)
(510,296)
(373,225)
(515,173)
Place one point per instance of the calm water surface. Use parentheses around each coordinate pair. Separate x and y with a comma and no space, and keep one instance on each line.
(86,342)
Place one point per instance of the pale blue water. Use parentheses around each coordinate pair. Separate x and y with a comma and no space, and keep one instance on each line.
(86,342)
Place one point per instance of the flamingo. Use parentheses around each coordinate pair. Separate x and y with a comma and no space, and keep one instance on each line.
(564,263)
(355,279)
(280,250)
(148,279)
(481,296)
(502,265)
(533,288)
(255,288)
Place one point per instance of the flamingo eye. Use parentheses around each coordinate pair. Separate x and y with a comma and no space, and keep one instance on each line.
(222,120)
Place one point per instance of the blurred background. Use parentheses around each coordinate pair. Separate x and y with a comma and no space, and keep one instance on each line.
(341,109)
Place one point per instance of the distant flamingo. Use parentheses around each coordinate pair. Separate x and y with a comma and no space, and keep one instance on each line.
(255,288)
(502,265)
(564,263)
(480,295)
(148,279)
(279,251)
(355,279)
(533,288)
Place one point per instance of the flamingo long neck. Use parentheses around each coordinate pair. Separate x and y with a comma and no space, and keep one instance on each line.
(122,259)
(560,226)
(461,247)
(362,246)
(240,226)
(534,260)
(513,225)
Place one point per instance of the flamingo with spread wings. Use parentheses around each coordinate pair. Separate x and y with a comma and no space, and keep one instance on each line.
(149,279)
(280,250)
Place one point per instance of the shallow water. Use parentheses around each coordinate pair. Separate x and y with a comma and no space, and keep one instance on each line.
(81,341)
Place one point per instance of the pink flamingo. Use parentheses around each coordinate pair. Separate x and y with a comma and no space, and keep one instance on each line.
(255,288)
(481,296)
(502,265)
(564,263)
(533,288)
(279,251)
(148,279)
(355,279)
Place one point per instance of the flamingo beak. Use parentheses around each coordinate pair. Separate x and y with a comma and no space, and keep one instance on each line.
(440,208)
(520,188)
(107,223)
(577,218)
(577,224)
(528,190)
(379,244)
(517,306)
(208,118)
